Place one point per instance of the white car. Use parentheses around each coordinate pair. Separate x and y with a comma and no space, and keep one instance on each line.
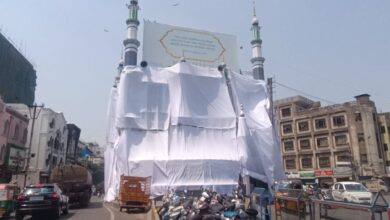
(351,192)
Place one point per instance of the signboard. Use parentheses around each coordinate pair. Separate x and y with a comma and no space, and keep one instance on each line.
(306,174)
(321,173)
(342,171)
(164,45)
(292,175)
(16,158)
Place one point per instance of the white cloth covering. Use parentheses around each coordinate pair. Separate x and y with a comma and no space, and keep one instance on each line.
(262,141)
(110,183)
(178,125)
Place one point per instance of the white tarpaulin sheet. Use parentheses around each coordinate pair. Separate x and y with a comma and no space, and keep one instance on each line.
(180,126)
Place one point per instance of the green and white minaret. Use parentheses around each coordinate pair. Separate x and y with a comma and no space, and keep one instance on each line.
(257,58)
(131,43)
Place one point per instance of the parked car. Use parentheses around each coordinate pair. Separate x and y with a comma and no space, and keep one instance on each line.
(41,199)
(375,185)
(351,192)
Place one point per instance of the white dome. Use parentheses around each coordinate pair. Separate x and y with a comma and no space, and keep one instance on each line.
(255,21)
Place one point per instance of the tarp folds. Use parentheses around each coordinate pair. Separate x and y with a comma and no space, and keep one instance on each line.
(199,97)
(261,139)
(143,100)
(180,126)
(109,151)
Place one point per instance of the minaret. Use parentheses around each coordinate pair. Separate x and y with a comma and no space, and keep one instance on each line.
(131,43)
(257,59)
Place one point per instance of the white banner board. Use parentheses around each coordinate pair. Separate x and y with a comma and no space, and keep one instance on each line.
(164,45)
(16,158)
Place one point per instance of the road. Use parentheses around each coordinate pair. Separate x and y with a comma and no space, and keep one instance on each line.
(98,210)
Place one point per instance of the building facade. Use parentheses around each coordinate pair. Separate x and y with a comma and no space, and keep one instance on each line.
(73,141)
(339,142)
(384,123)
(49,142)
(17,75)
(13,138)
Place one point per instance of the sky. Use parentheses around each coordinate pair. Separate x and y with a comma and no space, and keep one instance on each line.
(325,50)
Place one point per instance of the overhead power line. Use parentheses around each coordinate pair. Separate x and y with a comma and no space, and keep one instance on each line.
(306,94)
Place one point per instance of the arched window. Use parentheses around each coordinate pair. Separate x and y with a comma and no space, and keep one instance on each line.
(16,133)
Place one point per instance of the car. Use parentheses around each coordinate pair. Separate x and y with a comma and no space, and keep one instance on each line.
(375,185)
(351,192)
(40,199)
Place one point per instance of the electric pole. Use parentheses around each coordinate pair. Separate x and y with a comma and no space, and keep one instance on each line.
(34,114)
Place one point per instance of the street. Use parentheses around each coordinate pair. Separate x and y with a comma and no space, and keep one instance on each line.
(97,210)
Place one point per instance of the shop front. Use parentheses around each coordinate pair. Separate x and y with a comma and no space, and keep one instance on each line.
(324,178)
(307,176)
(342,174)
(15,159)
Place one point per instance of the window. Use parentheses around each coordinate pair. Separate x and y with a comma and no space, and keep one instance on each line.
(288,145)
(324,161)
(358,116)
(307,162)
(339,121)
(340,139)
(303,126)
(304,144)
(286,112)
(385,147)
(361,137)
(24,139)
(322,142)
(363,159)
(54,161)
(290,164)
(6,128)
(343,158)
(16,133)
(2,151)
(52,123)
(287,128)
(383,129)
(320,123)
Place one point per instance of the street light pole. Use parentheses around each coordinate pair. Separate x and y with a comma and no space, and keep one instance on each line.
(33,116)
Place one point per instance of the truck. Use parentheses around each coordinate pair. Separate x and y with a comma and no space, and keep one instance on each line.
(134,193)
(75,181)
(375,185)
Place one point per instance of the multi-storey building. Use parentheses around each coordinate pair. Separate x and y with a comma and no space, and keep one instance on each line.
(17,75)
(49,142)
(338,142)
(13,138)
(384,123)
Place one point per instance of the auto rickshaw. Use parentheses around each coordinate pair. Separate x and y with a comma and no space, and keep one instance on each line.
(292,189)
(7,198)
